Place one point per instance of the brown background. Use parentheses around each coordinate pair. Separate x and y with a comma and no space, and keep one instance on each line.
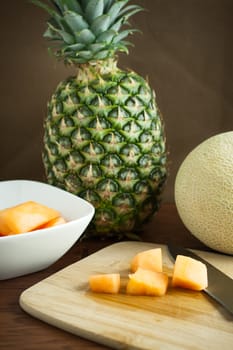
(186,51)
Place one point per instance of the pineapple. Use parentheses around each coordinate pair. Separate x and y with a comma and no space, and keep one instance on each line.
(104,137)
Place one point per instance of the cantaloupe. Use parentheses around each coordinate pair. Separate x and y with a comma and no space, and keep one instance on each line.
(54,222)
(147,282)
(204,192)
(105,283)
(189,273)
(150,259)
(25,217)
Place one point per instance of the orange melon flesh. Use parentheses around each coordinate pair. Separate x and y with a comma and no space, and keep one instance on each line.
(149,259)
(147,282)
(54,222)
(189,273)
(105,283)
(25,217)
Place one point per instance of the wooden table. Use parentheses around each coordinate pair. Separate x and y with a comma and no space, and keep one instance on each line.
(19,330)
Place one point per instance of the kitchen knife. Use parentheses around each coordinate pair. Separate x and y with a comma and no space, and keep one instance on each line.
(220,286)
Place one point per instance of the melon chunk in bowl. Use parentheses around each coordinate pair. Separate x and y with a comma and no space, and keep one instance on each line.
(25,217)
(29,252)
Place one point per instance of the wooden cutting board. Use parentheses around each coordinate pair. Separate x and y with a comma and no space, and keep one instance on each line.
(179,320)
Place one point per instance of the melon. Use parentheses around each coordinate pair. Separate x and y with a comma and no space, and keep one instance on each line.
(204,192)
(189,273)
(54,222)
(25,217)
(150,259)
(147,282)
(105,283)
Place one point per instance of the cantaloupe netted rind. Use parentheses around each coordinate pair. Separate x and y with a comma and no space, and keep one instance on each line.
(204,192)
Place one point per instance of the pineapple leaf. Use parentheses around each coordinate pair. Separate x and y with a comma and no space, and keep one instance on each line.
(94,9)
(106,36)
(115,10)
(123,35)
(125,43)
(100,24)
(102,55)
(74,47)
(123,48)
(51,34)
(71,5)
(60,24)
(85,36)
(84,54)
(95,47)
(107,5)
(43,6)
(117,25)
(67,38)
(75,21)
(129,11)
(56,20)
(56,5)
(64,36)
(83,4)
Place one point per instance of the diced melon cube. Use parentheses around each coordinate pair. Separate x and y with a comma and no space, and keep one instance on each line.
(25,217)
(189,273)
(147,282)
(105,283)
(149,259)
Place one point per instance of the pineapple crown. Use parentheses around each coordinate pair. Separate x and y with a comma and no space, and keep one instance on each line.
(87,30)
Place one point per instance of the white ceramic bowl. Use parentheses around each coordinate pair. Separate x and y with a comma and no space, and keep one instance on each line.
(25,253)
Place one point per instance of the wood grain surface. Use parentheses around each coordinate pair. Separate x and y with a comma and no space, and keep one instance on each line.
(181,319)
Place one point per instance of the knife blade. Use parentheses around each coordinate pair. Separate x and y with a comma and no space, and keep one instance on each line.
(220,286)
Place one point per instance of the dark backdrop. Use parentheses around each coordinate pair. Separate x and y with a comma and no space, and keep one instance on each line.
(186,51)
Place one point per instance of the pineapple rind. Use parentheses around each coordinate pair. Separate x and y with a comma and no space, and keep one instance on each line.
(107,146)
